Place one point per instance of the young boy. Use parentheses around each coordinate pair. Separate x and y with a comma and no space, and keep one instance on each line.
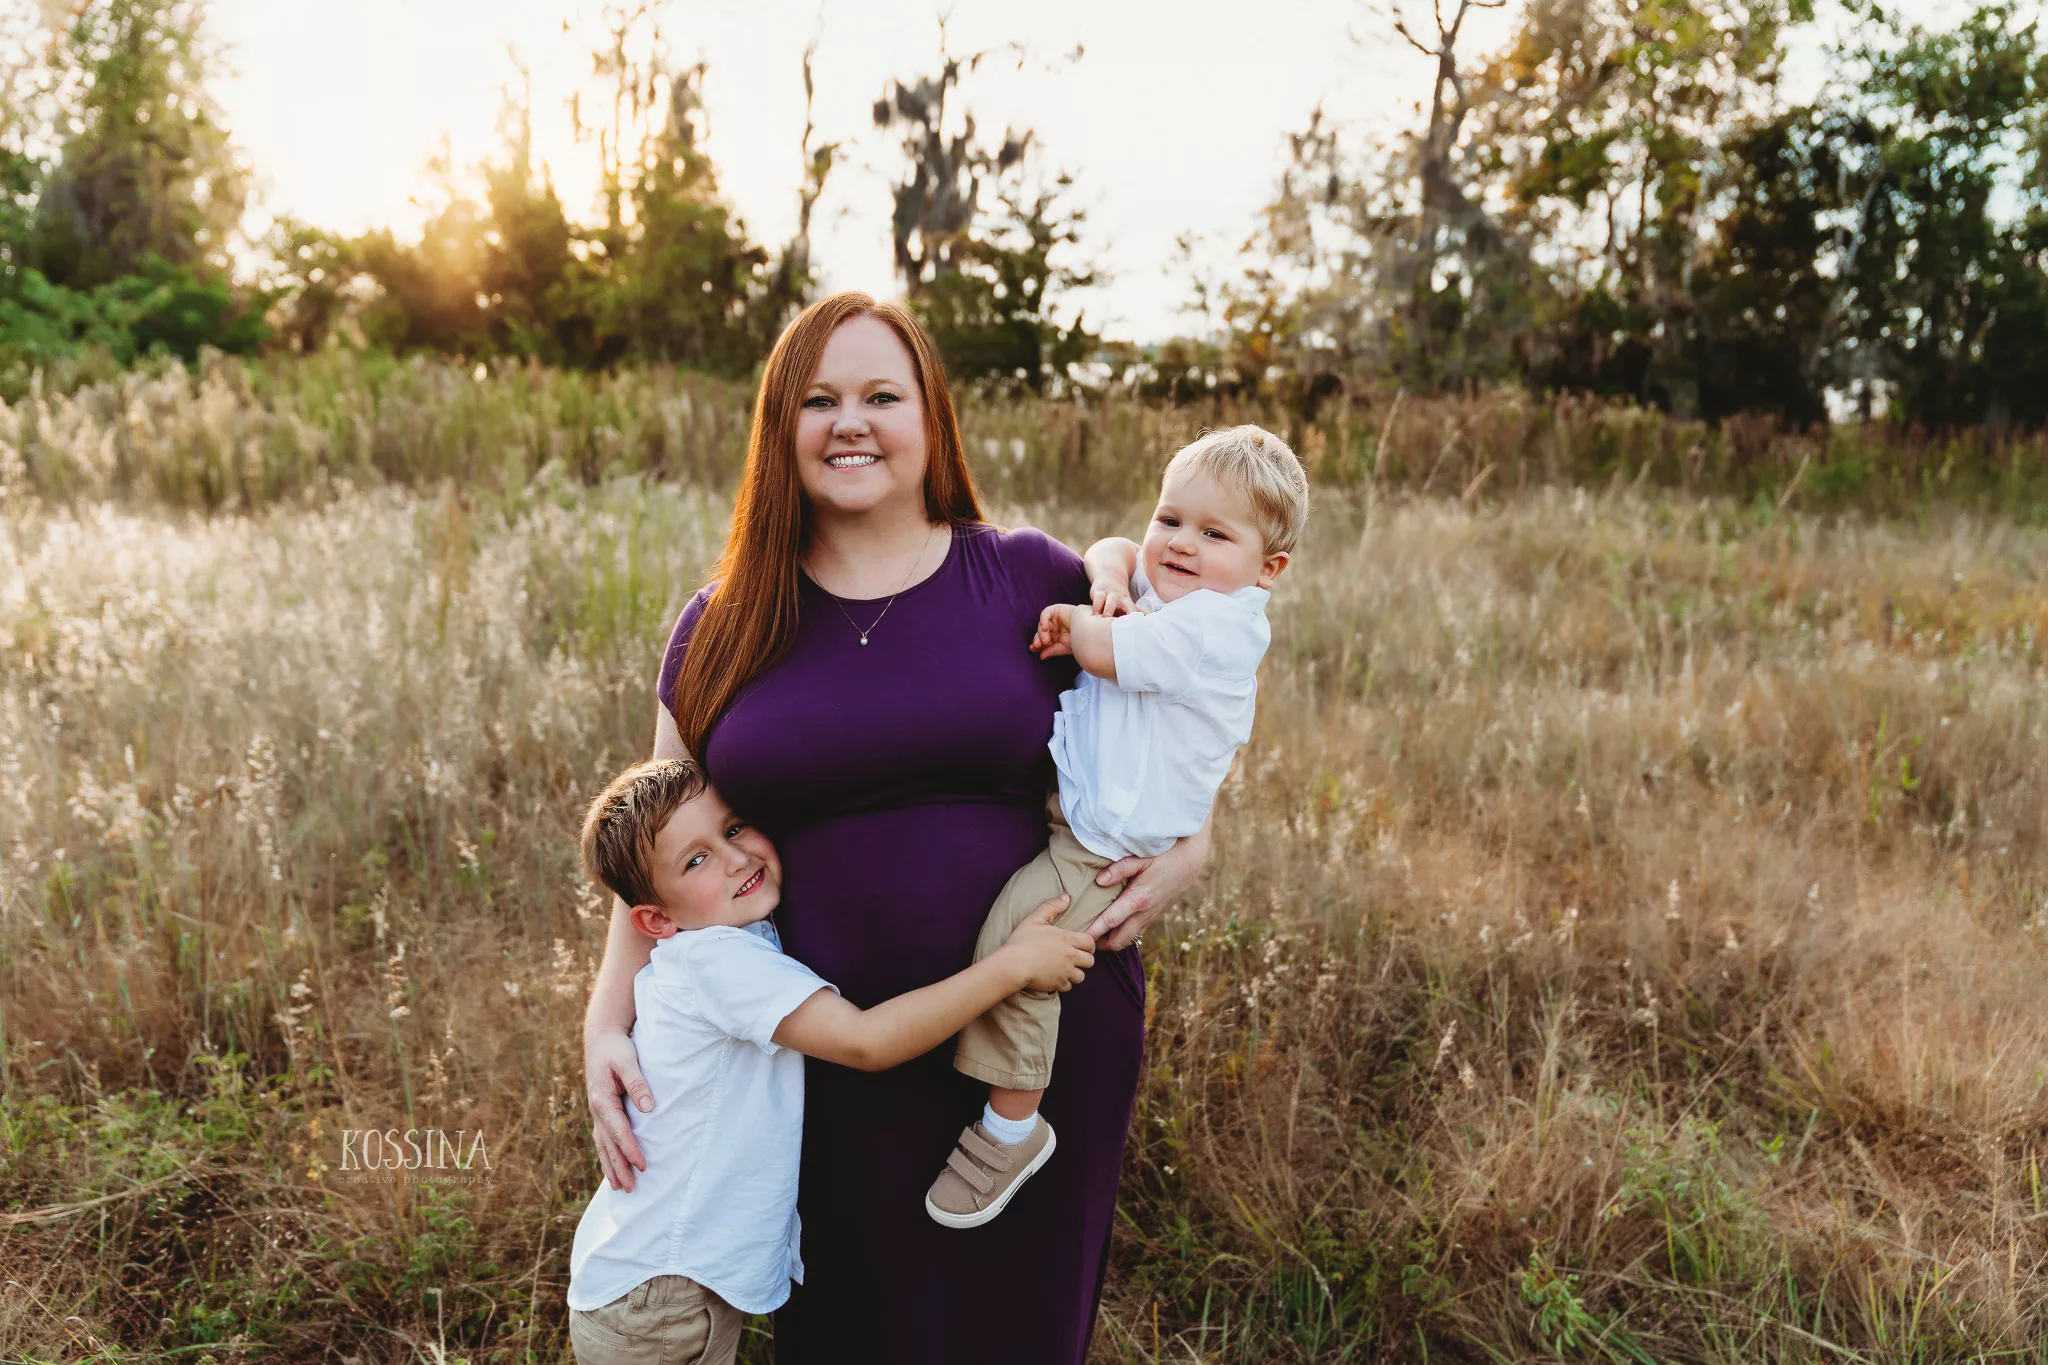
(709,1233)
(1141,744)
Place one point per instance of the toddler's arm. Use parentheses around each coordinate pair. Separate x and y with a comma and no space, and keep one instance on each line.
(1039,956)
(1064,628)
(1112,563)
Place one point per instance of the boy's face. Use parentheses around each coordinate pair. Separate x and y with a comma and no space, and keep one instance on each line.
(1202,536)
(710,867)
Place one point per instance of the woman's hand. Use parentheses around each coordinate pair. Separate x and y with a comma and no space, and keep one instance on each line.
(1153,884)
(610,1065)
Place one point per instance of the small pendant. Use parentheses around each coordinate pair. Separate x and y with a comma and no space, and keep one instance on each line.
(863,639)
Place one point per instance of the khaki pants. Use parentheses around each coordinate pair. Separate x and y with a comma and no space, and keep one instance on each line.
(1012,1045)
(668,1320)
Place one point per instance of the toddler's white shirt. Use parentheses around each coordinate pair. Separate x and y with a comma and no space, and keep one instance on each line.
(717,1201)
(1140,758)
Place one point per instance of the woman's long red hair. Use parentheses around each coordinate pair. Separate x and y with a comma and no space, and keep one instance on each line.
(750,620)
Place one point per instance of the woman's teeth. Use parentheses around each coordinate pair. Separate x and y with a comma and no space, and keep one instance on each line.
(850,461)
(747,886)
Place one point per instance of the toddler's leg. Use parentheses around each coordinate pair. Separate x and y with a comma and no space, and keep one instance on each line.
(1011,1046)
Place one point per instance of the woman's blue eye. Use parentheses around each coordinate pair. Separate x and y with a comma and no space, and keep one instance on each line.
(885,398)
(817,402)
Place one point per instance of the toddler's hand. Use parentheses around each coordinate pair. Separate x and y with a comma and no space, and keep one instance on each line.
(1110,597)
(1050,958)
(1055,636)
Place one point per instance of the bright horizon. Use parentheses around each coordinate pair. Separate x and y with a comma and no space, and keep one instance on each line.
(1173,123)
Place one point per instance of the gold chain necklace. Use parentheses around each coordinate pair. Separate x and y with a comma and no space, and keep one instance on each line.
(892,596)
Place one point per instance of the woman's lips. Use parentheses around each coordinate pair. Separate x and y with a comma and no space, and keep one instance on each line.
(751,884)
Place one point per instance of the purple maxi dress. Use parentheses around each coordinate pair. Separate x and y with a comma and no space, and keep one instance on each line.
(903,782)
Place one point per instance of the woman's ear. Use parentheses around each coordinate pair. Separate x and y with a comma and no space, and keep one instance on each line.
(653,921)
(1270,570)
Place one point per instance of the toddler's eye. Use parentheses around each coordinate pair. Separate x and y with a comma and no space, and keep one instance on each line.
(694,860)
(737,827)
(1165,520)
(1217,535)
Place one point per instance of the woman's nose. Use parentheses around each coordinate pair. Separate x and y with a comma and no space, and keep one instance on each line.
(850,420)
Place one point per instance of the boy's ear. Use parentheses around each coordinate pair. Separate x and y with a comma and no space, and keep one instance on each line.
(1270,570)
(653,921)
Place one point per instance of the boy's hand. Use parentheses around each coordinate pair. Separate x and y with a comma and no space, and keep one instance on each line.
(1112,597)
(1055,637)
(1049,958)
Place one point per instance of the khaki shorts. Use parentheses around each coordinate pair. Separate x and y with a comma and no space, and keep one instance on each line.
(668,1320)
(1012,1045)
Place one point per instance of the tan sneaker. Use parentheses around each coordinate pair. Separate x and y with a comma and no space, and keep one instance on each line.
(982,1174)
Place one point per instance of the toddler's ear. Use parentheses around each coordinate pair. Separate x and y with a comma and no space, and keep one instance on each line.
(653,921)
(1270,570)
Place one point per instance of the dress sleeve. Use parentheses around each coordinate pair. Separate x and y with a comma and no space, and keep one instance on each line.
(746,987)
(1042,571)
(678,645)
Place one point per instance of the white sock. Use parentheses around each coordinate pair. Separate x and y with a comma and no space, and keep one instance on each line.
(1009,1132)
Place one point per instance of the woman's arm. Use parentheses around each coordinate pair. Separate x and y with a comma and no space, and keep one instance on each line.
(610,1063)
(1039,955)
(1152,885)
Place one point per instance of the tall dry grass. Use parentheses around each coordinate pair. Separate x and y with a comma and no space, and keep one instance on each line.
(1622,938)
(246,435)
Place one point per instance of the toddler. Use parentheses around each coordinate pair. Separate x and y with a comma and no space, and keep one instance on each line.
(710,1233)
(1169,655)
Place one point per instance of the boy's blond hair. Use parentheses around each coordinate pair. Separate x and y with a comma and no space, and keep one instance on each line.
(622,824)
(1257,463)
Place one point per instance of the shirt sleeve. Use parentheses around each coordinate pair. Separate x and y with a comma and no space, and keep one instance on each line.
(746,987)
(1161,652)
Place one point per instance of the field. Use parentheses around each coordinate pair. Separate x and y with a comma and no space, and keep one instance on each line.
(1622,941)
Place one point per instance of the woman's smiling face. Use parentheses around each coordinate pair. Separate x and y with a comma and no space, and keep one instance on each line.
(860,439)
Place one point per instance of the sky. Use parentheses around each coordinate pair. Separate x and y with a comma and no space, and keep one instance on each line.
(1173,120)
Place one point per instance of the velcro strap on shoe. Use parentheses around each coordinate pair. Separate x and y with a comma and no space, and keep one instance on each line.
(963,1166)
(984,1151)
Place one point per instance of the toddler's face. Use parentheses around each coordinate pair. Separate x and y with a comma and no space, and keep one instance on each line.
(710,867)
(1202,536)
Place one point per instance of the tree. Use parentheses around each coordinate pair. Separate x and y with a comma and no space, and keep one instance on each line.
(989,285)
(1946,299)
(145,170)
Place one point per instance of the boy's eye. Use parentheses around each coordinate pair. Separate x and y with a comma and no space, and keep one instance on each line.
(1216,535)
(1165,520)
(695,859)
(738,825)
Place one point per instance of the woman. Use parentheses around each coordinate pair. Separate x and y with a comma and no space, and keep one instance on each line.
(857,681)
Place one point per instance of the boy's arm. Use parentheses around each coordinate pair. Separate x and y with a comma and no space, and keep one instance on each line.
(829,1028)
(1112,563)
(1065,629)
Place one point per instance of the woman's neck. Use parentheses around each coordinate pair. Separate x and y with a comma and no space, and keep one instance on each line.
(873,554)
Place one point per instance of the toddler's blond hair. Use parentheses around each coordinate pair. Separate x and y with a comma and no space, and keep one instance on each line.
(1258,464)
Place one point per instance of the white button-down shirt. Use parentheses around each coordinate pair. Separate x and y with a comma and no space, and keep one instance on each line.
(1140,758)
(717,1201)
